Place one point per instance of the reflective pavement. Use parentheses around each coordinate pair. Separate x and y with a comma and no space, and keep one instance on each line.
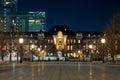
(59,71)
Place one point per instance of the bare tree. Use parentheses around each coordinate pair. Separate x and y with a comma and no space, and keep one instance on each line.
(113,36)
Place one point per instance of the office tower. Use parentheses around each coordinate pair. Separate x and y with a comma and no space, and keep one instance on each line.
(8,8)
(12,20)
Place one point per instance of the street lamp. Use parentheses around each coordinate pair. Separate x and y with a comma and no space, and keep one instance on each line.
(103,42)
(38,53)
(42,54)
(32,46)
(38,49)
(21,53)
(90,47)
(79,54)
(78,51)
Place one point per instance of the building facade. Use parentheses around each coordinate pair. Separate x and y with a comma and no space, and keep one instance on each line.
(60,41)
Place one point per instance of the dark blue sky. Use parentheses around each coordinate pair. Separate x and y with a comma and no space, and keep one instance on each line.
(83,15)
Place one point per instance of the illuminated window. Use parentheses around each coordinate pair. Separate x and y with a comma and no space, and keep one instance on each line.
(30,41)
(67,47)
(71,40)
(45,46)
(94,41)
(37,21)
(89,35)
(104,34)
(94,47)
(115,42)
(65,29)
(31,21)
(68,40)
(40,46)
(71,47)
(78,41)
(35,41)
(60,34)
(51,41)
(48,41)
(7,2)
(94,35)
(74,41)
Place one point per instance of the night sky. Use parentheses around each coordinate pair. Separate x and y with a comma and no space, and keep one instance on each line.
(83,15)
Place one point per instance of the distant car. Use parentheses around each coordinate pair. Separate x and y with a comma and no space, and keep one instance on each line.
(48,58)
(35,58)
(71,58)
(62,58)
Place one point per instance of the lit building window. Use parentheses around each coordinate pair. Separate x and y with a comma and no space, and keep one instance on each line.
(51,41)
(94,47)
(68,54)
(94,41)
(30,41)
(74,41)
(71,47)
(89,35)
(7,2)
(35,41)
(60,34)
(45,46)
(48,41)
(78,41)
(71,40)
(115,42)
(31,21)
(68,48)
(37,21)
(94,35)
(97,51)
(40,46)
(68,40)
(65,29)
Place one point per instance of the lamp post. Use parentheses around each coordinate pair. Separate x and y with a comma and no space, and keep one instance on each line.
(38,49)
(90,47)
(42,54)
(79,54)
(38,53)
(103,42)
(21,50)
(32,46)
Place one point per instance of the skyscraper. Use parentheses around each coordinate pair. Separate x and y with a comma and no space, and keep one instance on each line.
(12,20)
(7,9)
(30,22)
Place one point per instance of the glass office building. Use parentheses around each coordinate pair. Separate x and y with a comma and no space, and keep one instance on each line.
(29,22)
(13,21)
(7,8)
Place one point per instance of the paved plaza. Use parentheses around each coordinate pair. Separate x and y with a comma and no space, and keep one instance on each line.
(59,71)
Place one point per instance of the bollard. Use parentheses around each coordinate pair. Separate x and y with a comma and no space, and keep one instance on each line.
(13,67)
(42,65)
(79,67)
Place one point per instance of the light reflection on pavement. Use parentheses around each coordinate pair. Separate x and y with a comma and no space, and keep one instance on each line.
(59,71)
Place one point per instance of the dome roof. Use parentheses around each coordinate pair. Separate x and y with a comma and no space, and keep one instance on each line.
(63,28)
